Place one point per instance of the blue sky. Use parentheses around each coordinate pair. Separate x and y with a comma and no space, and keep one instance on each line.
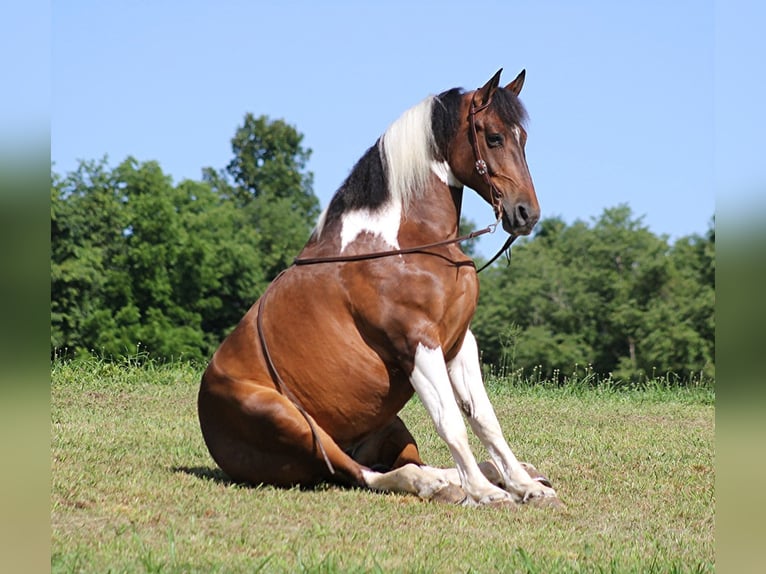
(624,98)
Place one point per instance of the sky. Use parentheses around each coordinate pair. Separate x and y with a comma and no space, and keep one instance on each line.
(629,102)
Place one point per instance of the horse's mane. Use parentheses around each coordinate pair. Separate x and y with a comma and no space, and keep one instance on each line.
(407,148)
(397,167)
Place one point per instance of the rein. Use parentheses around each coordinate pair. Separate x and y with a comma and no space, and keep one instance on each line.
(283,388)
(418,249)
(496,198)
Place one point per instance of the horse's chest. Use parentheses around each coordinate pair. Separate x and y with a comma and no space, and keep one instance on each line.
(402,304)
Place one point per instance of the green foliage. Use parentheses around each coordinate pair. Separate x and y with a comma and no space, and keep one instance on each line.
(612,296)
(142,266)
(465,227)
(139,265)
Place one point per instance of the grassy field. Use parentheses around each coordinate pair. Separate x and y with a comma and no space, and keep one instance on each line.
(134,489)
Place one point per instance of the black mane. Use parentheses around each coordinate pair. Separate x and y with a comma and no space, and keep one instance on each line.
(445,120)
(509,107)
(365,186)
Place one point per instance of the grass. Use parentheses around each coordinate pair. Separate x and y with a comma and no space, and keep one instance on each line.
(134,489)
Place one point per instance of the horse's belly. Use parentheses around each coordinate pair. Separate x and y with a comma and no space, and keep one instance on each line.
(347,388)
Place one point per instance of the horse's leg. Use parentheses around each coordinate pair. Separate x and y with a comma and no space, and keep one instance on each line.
(257,435)
(431,381)
(465,376)
(393,447)
(395,466)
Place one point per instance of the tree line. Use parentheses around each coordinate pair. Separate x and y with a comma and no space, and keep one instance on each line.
(142,266)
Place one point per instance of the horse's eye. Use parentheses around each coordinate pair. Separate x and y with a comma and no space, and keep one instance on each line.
(494,140)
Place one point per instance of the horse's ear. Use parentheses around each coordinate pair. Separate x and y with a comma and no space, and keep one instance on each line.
(516,85)
(484,93)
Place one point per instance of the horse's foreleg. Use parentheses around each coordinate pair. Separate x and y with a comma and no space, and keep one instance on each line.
(430,380)
(465,376)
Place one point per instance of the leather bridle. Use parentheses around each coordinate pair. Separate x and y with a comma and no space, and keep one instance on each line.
(481,166)
(482,169)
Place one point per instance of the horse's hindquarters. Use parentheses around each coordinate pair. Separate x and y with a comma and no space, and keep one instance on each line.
(258,436)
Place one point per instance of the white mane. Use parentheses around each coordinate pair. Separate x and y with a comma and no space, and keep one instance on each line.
(407,152)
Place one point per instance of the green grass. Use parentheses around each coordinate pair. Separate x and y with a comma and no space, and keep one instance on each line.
(134,489)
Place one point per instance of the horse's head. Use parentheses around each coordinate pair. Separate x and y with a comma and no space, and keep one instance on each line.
(488,153)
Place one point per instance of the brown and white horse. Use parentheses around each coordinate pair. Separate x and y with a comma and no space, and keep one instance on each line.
(307,387)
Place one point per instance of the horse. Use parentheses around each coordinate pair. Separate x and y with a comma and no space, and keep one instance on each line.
(307,387)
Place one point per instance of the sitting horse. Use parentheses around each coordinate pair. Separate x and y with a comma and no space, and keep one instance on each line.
(377,306)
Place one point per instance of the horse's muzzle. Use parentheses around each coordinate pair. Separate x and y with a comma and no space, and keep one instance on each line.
(519,217)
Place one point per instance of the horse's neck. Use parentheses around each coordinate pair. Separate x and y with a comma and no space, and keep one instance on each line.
(433,216)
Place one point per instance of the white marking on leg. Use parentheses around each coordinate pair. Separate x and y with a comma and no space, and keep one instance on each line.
(431,382)
(470,393)
(383,222)
(423,481)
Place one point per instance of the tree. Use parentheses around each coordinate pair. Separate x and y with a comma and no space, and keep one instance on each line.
(86,224)
(612,296)
(268,180)
(138,263)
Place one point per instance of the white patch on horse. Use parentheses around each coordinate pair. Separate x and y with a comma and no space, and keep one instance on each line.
(444,173)
(431,382)
(517,132)
(383,222)
(423,481)
(469,391)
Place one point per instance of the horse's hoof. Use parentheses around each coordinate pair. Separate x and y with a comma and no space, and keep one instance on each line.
(536,475)
(450,494)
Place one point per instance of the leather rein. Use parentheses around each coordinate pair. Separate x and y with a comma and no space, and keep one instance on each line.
(496,197)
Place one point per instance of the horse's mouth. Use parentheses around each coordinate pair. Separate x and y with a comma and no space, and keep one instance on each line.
(514,226)
(507,223)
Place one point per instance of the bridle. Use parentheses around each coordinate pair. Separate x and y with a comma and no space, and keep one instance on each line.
(482,169)
(496,198)
(481,166)
(496,201)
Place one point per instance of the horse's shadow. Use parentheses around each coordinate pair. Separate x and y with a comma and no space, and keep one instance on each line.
(208,473)
(216,475)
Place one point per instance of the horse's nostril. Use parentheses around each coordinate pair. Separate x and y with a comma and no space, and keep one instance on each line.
(521,214)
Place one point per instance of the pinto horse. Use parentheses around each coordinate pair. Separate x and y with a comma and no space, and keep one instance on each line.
(307,387)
